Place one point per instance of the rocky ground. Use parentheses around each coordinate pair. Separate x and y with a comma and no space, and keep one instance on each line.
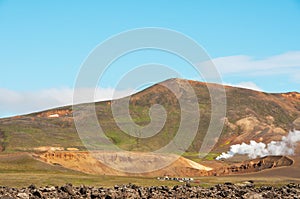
(227,190)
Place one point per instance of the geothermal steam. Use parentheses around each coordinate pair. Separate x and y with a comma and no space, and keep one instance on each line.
(284,147)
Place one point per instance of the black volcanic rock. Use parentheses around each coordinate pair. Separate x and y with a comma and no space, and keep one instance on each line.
(228,190)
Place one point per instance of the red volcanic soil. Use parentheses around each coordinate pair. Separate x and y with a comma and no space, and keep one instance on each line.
(279,174)
(181,167)
(292,171)
(116,163)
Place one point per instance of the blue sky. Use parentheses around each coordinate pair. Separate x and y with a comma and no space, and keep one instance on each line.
(253,43)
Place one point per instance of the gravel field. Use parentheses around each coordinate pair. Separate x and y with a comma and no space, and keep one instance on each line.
(227,190)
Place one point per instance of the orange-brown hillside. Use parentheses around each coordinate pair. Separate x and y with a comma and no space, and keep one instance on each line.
(250,115)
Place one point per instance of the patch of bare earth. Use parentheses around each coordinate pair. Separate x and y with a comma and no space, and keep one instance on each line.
(119,163)
(133,163)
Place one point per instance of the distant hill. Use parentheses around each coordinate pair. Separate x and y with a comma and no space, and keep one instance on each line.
(251,115)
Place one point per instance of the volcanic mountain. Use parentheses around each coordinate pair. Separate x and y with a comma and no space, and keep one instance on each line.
(250,115)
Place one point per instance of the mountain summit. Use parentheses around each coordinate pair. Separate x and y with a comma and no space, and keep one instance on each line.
(250,115)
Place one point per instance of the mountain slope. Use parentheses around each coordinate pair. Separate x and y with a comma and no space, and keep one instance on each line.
(251,115)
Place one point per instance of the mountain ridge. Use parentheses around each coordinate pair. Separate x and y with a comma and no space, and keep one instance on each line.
(251,115)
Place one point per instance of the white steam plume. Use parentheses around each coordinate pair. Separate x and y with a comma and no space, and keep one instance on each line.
(284,147)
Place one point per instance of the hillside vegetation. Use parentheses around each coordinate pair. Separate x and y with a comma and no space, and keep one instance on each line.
(251,115)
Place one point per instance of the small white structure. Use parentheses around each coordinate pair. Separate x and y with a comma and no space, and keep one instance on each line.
(53,116)
(72,149)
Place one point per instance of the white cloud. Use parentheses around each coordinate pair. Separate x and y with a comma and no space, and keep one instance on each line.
(248,85)
(284,63)
(17,102)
